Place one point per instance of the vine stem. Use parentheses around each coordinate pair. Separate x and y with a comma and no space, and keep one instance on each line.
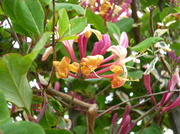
(140,97)
(136,30)
(147,123)
(83,104)
(68,98)
(151,20)
(99,93)
(53,43)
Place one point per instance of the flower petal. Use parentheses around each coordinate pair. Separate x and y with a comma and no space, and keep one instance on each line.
(148,86)
(62,68)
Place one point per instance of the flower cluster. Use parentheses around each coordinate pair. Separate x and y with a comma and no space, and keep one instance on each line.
(95,64)
(165,104)
(109,10)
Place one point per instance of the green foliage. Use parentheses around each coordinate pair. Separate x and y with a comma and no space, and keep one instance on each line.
(17,89)
(57,131)
(69,7)
(8,126)
(96,21)
(76,25)
(48,121)
(125,25)
(79,130)
(113,29)
(23,127)
(5,114)
(28,59)
(38,29)
(23,15)
(146,44)
(63,22)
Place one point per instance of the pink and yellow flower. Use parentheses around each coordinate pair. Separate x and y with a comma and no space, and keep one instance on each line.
(95,64)
(109,10)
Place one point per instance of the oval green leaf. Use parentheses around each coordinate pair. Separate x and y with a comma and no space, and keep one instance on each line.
(30,15)
(146,44)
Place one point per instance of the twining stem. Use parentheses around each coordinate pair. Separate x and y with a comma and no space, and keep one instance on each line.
(144,115)
(151,20)
(53,43)
(147,123)
(68,98)
(43,109)
(99,93)
(140,97)
(136,30)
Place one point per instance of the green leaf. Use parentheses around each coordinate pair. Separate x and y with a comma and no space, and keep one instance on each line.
(68,38)
(13,84)
(73,1)
(176,47)
(147,3)
(57,131)
(48,120)
(5,114)
(69,7)
(113,28)
(56,105)
(79,130)
(136,74)
(125,24)
(46,2)
(30,15)
(19,29)
(101,101)
(76,26)
(8,6)
(78,83)
(23,127)
(27,60)
(96,21)
(63,22)
(151,130)
(146,44)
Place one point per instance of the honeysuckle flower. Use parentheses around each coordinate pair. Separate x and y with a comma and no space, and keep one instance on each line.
(109,10)
(125,126)
(90,63)
(88,32)
(165,104)
(98,62)
(64,67)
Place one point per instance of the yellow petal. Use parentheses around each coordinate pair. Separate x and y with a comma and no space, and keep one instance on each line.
(74,67)
(98,34)
(85,70)
(90,63)
(116,82)
(117,69)
(62,68)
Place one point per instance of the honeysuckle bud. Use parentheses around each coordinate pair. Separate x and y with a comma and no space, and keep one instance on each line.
(47,52)
(42,80)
